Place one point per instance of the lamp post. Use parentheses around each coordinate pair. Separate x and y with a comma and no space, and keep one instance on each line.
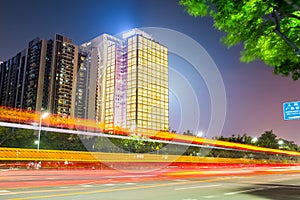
(200,134)
(280,143)
(42,116)
(254,140)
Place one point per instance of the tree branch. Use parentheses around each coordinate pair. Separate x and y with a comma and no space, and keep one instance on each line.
(278,32)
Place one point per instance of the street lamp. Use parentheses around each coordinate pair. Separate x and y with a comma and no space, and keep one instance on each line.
(200,134)
(280,142)
(254,140)
(42,116)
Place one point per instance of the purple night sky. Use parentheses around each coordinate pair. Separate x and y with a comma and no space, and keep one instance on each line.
(254,94)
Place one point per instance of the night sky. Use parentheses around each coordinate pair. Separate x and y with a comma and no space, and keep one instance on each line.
(254,96)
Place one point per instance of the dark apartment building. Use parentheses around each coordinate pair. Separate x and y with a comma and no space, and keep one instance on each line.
(42,77)
(12,73)
(63,76)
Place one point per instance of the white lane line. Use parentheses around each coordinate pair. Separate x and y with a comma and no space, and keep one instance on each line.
(281,179)
(86,185)
(189,199)
(199,186)
(209,196)
(130,183)
(288,186)
(110,184)
(6,192)
(180,180)
(41,191)
(243,191)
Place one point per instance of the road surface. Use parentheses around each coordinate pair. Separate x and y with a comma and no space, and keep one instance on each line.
(166,184)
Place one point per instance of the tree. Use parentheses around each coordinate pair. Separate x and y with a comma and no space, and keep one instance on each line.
(17,138)
(105,144)
(134,144)
(61,141)
(188,132)
(288,145)
(268,139)
(269,30)
(5,136)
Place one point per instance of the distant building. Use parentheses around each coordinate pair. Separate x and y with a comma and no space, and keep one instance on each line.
(42,77)
(11,80)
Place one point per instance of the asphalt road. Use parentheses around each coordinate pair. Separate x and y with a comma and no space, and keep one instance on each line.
(168,184)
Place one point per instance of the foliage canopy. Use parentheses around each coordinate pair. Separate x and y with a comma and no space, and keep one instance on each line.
(268,29)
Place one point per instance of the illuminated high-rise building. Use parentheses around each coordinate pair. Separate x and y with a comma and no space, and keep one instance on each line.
(147,96)
(98,57)
(131,87)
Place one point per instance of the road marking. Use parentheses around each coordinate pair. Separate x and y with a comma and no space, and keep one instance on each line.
(122,189)
(281,179)
(180,180)
(288,186)
(40,191)
(86,185)
(209,196)
(4,191)
(243,191)
(9,193)
(199,186)
(109,184)
(130,183)
(189,199)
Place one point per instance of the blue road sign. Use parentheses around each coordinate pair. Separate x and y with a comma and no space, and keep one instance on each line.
(291,110)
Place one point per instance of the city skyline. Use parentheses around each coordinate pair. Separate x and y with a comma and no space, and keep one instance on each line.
(119,82)
(254,94)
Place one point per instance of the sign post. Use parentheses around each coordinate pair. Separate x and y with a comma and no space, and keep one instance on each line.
(291,110)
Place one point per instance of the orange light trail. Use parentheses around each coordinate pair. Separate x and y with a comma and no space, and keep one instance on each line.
(57,121)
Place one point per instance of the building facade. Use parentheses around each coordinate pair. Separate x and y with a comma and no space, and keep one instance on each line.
(12,74)
(131,87)
(147,96)
(118,81)
(34,88)
(42,77)
(63,76)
